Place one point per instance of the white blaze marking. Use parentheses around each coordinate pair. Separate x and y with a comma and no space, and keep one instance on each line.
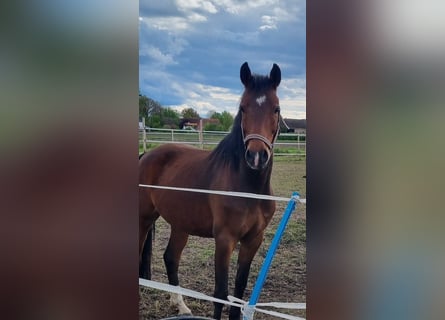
(260,100)
(257,159)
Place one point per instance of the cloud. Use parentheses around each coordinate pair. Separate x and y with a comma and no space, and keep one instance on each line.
(292,94)
(188,5)
(191,51)
(196,17)
(240,7)
(166,23)
(293,86)
(280,15)
(179,16)
(268,23)
(291,13)
(161,49)
(205,98)
(156,54)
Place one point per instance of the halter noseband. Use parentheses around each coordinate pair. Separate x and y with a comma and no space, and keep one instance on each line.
(256,136)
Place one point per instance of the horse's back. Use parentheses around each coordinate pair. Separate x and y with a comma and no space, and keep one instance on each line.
(162,161)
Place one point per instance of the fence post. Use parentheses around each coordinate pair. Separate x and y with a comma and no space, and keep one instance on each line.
(144,135)
(298,141)
(173,137)
(201,138)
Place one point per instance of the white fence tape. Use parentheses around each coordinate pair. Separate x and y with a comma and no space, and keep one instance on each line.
(226,193)
(232,300)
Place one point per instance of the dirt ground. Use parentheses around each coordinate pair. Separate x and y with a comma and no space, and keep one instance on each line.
(286,281)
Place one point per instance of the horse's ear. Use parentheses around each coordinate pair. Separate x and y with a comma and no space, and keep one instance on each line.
(275,75)
(245,74)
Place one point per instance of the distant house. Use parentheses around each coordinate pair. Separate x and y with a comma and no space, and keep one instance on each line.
(293,125)
(196,123)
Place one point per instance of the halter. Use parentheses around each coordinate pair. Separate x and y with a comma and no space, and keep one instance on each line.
(256,136)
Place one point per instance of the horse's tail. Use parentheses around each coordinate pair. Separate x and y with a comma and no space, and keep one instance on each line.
(145,265)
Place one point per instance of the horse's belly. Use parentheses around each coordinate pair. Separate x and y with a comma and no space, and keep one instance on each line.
(192,217)
(192,227)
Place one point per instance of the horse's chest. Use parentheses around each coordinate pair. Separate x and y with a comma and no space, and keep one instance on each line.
(256,220)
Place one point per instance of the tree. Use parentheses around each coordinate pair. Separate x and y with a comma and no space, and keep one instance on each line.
(225,118)
(170,118)
(154,121)
(189,113)
(148,107)
(210,114)
(155,115)
(213,127)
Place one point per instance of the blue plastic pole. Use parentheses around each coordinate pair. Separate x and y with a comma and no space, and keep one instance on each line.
(249,310)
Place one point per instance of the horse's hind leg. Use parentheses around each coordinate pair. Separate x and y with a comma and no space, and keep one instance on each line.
(145,260)
(147,218)
(172,255)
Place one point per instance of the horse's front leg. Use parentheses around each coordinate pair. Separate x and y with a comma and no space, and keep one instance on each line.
(247,251)
(224,245)
(172,255)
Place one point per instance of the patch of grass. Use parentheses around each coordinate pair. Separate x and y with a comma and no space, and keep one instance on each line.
(287,176)
(295,234)
(289,150)
(204,255)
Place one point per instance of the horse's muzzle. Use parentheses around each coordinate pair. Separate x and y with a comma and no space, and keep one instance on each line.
(256,155)
(257,160)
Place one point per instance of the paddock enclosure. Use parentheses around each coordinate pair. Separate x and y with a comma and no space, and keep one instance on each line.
(288,144)
(286,281)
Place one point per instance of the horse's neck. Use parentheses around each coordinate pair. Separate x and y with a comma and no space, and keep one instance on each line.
(256,181)
(238,174)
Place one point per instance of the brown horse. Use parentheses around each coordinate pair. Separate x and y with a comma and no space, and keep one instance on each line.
(242,161)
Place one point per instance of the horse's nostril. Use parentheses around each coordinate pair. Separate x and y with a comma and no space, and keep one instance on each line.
(252,159)
(249,156)
(264,156)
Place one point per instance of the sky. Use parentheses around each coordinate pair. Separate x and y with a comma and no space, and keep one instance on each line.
(191,51)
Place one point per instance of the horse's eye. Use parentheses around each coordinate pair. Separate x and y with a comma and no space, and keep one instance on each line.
(241,108)
(277,110)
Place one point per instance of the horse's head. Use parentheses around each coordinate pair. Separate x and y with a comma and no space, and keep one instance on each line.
(260,115)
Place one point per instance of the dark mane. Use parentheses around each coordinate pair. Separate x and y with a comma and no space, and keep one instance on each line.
(259,83)
(231,149)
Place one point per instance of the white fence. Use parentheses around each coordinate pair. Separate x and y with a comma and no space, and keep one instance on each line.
(287,144)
